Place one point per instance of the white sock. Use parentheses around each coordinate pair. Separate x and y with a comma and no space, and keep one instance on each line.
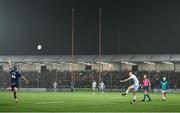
(127,91)
(134,98)
(163,97)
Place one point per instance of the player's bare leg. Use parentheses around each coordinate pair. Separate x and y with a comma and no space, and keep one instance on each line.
(14,90)
(163,96)
(125,93)
(134,97)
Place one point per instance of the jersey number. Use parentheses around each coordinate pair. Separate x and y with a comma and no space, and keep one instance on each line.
(13,76)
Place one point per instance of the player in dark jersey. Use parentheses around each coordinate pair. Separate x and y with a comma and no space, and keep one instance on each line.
(14,74)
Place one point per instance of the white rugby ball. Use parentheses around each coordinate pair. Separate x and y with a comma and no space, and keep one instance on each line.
(39,47)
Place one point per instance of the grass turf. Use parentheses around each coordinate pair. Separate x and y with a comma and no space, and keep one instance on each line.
(85,102)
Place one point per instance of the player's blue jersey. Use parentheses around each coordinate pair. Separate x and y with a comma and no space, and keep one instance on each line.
(14,76)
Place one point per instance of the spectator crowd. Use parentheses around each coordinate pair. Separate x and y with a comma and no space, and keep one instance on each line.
(83,79)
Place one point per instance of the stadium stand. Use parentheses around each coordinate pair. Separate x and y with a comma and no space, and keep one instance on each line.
(59,68)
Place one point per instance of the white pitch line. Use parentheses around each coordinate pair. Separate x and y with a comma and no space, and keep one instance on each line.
(159,104)
(116,97)
(50,102)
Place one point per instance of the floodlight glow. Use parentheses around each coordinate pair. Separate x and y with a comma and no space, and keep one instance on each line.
(62,62)
(84,63)
(124,62)
(167,62)
(87,63)
(69,63)
(80,62)
(128,63)
(99,62)
(152,63)
(104,63)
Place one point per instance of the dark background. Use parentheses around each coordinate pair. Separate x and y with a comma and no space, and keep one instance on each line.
(128,26)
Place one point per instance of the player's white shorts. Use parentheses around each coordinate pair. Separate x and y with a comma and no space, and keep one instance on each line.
(101,88)
(135,87)
(93,88)
(164,91)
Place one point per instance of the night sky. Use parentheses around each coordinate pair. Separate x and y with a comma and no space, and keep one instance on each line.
(128,26)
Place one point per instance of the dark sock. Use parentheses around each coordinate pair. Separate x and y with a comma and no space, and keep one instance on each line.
(144,97)
(148,97)
(14,95)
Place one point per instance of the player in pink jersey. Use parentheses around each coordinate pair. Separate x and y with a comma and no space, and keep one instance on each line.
(146,86)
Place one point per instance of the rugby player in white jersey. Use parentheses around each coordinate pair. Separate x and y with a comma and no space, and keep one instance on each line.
(134,86)
(94,84)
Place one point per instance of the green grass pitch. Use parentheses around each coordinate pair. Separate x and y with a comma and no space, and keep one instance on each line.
(85,102)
